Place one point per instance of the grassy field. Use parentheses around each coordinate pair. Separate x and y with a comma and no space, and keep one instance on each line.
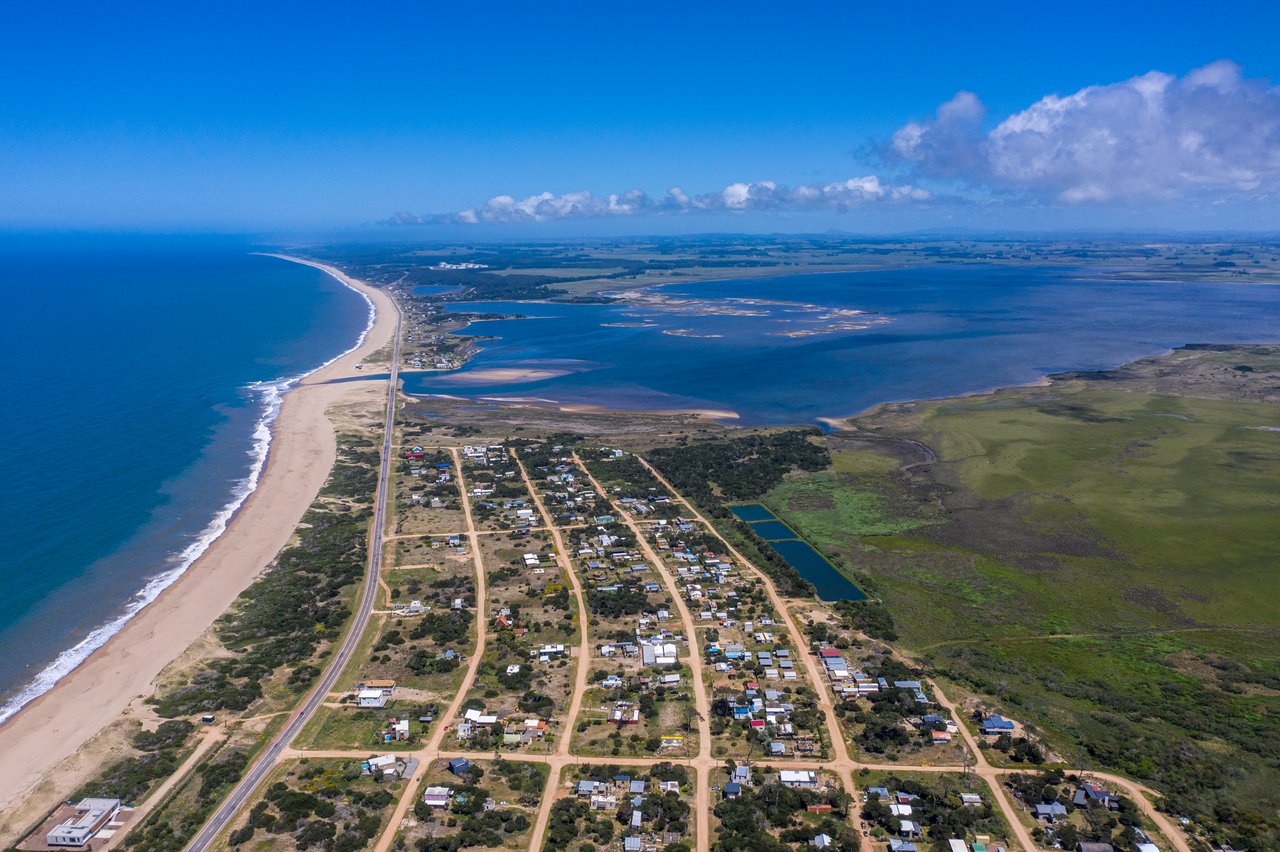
(1100,554)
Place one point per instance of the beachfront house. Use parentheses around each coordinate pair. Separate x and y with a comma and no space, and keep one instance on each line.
(92,815)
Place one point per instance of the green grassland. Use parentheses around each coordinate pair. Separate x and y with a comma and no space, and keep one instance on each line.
(1102,555)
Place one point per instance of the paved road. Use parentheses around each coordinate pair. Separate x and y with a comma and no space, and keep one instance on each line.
(268,757)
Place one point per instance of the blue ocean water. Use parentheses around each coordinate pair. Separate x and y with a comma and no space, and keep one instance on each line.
(137,376)
(949,330)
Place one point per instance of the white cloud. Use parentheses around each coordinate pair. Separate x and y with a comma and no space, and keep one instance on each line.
(1157,137)
(764,195)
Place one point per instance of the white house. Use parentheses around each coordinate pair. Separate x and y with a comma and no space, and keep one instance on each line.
(371,698)
(798,778)
(436,797)
(91,816)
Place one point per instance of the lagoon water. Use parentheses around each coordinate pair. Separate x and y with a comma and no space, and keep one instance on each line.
(950,330)
(946,330)
(136,373)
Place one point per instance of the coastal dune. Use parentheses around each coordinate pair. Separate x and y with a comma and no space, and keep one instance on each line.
(59,723)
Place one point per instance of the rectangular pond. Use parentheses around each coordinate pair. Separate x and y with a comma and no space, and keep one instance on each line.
(773,530)
(752,512)
(829,583)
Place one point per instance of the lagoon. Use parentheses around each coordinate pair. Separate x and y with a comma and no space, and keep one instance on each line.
(947,330)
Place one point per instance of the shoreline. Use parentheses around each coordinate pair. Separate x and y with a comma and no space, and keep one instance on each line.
(841,423)
(295,447)
(270,396)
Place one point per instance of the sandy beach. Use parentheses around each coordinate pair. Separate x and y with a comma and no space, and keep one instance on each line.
(59,723)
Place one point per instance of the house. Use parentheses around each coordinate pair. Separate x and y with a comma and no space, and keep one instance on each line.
(956,846)
(436,797)
(480,720)
(970,800)
(732,790)
(896,845)
(1095,847)
(658,655)
(92,815)
(909,828)
(672,740)
(822,841)
(374,698)
(1051,812)
(631,844)
(587,787)
(637,787)
(742,774)
(625,713)
(995,724)
(396,731)
(460,766)
(1087,793)
(805,778)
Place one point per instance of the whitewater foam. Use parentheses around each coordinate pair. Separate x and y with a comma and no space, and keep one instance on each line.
(272,397)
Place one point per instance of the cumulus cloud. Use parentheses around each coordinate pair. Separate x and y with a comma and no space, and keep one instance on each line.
(1156,137)
(737,197)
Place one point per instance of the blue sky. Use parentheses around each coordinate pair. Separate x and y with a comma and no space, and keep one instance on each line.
(276,116)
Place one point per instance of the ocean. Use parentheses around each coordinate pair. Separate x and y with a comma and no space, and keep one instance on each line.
(929,332)
(139,377)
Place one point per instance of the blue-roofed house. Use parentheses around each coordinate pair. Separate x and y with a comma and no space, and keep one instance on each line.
(459,766)
(996,724)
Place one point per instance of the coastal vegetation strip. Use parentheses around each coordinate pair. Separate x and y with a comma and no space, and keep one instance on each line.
(272,646)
